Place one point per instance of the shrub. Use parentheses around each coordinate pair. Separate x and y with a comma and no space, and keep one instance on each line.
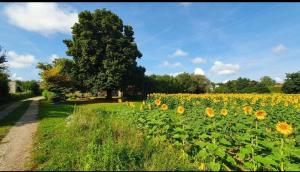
(50,96)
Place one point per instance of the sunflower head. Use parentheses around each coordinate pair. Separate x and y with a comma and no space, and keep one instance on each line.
(247,110)
(210,112)
(157,102)
(180,109)
(260,114)
(224,112)
(284,128)
(164,107)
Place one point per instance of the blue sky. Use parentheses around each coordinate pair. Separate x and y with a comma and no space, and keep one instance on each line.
(221,40)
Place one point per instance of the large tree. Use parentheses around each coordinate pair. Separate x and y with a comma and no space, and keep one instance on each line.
(103,50)
(291,84)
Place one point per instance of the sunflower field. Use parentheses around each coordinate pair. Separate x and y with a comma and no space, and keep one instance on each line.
(226,131)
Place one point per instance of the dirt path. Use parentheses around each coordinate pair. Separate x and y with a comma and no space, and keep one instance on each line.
(16,146)
(9,109)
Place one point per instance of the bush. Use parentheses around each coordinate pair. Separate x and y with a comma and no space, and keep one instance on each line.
(20,96)
(30,86)
(50,96)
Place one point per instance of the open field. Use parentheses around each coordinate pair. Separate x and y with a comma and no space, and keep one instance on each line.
(172,132)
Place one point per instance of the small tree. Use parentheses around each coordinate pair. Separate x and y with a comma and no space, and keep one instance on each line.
(291,84)
(267,81)
(55,79)
(4,89)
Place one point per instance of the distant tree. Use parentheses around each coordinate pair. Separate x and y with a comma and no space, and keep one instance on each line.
(268,81)
(4,89)
(32,86)
(103,50)
(291,84)
(2,59)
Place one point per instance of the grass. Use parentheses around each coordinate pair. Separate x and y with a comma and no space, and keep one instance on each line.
(9,121)
(99,137)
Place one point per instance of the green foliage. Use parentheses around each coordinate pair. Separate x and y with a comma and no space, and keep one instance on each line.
(21,96)
(267,81)
(4,89)
(50,96)
(242,85)
(236,141)
(99,137)
(32,86)
(182,83)
(291,84)
(104,52)
(56,78)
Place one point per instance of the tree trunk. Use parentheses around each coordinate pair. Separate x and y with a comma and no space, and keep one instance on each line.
(109,94)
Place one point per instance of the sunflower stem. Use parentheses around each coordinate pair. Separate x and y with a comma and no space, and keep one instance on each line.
(281,152)
(256,133)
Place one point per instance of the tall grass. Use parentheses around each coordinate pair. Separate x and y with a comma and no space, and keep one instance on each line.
(100,139)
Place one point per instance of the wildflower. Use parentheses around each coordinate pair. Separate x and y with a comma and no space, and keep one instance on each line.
(284,128)
(201,166)
(260,115)
(164,107)
(157,102)
(247,109)
(180,109)
(224,112)
(210,112)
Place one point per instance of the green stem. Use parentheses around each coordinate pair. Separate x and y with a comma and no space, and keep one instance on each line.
(281,152)
(256,133)
(252,149)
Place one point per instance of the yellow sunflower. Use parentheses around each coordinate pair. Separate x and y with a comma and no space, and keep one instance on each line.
(157,102)
(284,128)
(164,107)
(224,112)
(210,112)
(247,110)
(180,109)
(260,114)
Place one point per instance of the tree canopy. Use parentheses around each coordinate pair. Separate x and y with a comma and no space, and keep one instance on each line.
(104,52)
(291,84)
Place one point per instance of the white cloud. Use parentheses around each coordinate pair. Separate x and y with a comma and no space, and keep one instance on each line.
(168,64)
(44,18)
(15,77)
(225,81)
(198,60)
(223,69)
(53,57)
(279,80)
(185,3)
(15,60)
(179,53)
(199,71)
(175,74)
(148,73)
(279,49)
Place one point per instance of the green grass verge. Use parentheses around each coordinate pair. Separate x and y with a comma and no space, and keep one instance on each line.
(99,137)
(7,122)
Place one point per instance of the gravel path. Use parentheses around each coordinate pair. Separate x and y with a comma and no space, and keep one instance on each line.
(9,109)
(16,146)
